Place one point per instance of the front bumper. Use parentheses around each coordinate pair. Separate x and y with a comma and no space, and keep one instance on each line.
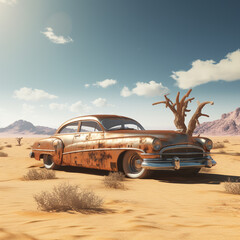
(176,163)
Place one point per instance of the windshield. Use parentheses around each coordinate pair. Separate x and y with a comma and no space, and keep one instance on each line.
(111,124)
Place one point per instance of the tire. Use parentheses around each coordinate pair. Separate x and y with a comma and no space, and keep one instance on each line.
(132,166)
(189,172)
(49,163)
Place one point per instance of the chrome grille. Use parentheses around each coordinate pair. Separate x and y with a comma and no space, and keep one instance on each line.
(183,152)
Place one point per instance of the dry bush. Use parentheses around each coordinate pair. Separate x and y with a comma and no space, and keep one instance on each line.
(1,147)
(225,141)
(2,154)
(114,180)
(218,145)
(8,145)
(222,152)
(40,174)
(236,154)
(65,197)
(232,187)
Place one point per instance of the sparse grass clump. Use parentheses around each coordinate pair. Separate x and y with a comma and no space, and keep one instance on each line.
(8,145)
(226,141)
(114,180)
(40,174)
(65,197)
(218,145)
(1,147)
(232,187)
(3,154)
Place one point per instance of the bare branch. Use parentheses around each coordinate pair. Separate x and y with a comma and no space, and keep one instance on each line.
(185,96)
(194,120)
(159,102)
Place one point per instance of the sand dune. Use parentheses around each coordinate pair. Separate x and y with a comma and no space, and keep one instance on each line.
(166,206)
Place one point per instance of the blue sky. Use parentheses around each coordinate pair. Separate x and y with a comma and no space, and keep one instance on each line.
(61,58)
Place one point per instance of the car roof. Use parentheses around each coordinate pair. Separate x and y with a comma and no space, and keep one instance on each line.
(91,117)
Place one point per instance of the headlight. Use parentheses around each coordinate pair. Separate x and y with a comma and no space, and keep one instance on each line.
(156,144)
(208,144)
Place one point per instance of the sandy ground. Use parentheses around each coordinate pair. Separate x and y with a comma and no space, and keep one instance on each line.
(164,207)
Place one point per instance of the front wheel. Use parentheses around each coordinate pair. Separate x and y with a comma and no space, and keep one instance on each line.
(49,163)
(132,166)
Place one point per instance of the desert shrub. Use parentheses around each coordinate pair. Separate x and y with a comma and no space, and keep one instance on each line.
(2,154)
(225,141)
(65,197)
(218,145)
(40,174)
(1,147)
(236,154)
(232,187)
(114,180)
(222,152)
(8,145)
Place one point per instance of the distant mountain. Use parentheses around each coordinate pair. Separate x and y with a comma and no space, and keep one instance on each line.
(229,124)
(24,127)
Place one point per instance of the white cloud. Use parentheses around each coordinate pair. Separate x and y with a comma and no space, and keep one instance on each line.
(228,69)
(27,108)
(126,92)
(151,89)
(87,85)
(79,107)
(30,94)
(9,2)
(54,38)
(100,102)
(106,83)
(57,106)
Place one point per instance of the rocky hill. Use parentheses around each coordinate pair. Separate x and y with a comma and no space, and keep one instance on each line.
(229,124)
(25,127)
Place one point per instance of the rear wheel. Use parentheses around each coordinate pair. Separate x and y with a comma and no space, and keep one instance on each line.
(49,163)
(132,166)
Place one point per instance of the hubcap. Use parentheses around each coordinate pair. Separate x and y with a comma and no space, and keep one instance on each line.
(135,164)
(48,161)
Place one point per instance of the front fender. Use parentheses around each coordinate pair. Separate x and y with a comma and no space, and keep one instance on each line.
(49,146)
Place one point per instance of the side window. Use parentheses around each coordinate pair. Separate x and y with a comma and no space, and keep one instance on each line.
(90,126)
(70,128)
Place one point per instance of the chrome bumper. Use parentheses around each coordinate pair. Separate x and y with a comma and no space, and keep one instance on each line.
(176,163)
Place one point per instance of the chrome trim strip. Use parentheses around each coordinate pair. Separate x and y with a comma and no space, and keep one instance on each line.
(150,154)
(160,160)
(44,150)
(189,153)
(103,149)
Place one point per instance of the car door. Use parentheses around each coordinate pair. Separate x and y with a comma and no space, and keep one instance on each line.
(66,134)
(86,143)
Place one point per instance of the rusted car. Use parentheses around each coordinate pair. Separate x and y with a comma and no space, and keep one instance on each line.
(118,143)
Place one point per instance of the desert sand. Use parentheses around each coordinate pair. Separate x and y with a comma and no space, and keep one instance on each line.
(165,206)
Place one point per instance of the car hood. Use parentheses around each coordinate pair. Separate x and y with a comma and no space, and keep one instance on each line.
(164,135)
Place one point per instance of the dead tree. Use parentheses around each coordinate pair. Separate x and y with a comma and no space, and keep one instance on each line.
(194,120)
(179,109)
(19,139)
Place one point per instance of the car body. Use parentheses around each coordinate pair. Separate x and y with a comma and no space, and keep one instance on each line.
(117,143)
